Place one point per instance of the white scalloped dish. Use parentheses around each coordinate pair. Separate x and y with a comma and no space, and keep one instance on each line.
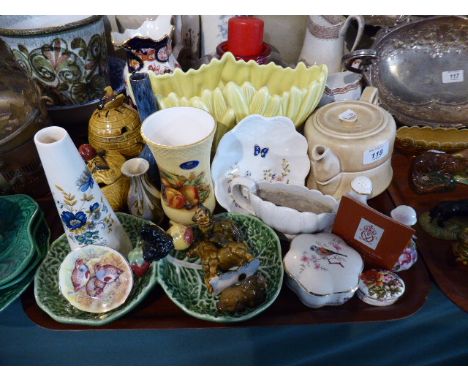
(263,149)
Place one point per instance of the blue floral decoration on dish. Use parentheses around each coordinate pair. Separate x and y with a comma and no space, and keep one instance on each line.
(74,221)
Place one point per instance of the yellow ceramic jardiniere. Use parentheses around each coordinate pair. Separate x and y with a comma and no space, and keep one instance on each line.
(230,90)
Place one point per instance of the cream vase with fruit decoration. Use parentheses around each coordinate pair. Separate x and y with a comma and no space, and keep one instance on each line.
(180,139)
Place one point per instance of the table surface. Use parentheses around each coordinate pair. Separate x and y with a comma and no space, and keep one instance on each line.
(436,334)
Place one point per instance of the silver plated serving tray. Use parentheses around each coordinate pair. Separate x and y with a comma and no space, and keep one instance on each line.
(421,71)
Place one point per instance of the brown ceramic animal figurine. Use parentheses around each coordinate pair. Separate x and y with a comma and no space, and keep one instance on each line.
(219,231)
(220,248)
(105,167)
(250,293)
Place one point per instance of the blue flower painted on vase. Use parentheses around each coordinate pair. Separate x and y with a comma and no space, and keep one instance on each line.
(86,181)
(94,211)
(74,221)
(94,207)
(87,238)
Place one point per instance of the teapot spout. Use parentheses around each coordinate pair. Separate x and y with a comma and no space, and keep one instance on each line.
(325,164)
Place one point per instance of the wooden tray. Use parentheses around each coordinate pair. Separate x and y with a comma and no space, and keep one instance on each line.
(449,276)
(158,312)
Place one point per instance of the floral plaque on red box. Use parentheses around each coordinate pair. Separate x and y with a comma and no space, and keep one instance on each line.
(378,238)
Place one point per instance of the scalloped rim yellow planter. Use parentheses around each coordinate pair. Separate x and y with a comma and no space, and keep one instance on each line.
(230,90)
(415,139)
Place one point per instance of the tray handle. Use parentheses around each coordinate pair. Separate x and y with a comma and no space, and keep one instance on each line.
(365,55)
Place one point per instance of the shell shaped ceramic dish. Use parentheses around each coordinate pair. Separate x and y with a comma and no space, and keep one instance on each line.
(230,90)
(95,279)
(186,288)
(18,214)
(417,139)
(322,269)
(288,208)
(264,149)
(50,299)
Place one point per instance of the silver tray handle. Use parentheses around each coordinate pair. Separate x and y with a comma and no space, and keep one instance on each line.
(364,55)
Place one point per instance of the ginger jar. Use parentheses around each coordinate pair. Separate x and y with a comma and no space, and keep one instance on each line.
(115,126)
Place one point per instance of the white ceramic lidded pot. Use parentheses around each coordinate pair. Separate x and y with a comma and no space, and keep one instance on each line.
(322,269)
(349,139)
(86,215)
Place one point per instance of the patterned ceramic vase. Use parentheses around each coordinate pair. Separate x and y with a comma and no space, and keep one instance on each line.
(66,55)
(85,213)
(143,200)
(180,139)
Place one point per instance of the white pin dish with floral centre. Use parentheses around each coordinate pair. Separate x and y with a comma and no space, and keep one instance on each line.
(263,149)
(95,279)
(322,269)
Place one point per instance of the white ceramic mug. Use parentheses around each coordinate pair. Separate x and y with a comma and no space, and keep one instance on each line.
(324,40)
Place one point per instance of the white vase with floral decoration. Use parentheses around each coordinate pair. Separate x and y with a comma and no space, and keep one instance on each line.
(85,213)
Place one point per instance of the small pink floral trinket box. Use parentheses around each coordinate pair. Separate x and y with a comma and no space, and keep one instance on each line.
(380,287)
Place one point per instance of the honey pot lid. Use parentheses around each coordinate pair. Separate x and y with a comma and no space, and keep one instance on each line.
(352,119)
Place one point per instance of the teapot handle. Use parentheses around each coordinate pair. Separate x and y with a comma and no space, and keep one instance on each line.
(241,189)
(370,95)
(361,23)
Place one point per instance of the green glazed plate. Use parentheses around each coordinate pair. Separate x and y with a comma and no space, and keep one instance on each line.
(18,214)
(19,285)
(185,286)
(50,299)
(41,241)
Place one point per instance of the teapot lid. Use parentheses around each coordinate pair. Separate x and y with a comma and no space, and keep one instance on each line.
(353,119)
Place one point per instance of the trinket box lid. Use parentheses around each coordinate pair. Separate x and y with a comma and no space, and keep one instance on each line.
(380,287)
(323,264)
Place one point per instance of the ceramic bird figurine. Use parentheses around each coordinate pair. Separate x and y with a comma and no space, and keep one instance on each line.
(80,275)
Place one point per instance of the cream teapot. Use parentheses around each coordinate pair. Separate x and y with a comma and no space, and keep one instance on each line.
(350,139)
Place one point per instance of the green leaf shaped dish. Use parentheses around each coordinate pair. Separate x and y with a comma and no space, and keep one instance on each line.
(50,299)
(11,291)
(186,288)
(17,248)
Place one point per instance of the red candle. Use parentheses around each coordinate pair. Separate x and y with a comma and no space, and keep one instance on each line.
(245,36)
